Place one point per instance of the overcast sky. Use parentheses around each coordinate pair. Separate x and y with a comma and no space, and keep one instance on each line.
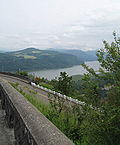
(69,24)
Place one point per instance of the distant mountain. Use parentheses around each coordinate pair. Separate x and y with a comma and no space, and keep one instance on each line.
(81,55)
(34,59)
(1,51)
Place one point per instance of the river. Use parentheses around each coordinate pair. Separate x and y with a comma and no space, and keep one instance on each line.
(75,70)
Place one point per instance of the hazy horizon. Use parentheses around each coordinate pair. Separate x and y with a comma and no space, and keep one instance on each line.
(64,24)
(51,49)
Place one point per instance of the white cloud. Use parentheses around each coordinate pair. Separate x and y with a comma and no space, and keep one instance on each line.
(75,29)
(80,24)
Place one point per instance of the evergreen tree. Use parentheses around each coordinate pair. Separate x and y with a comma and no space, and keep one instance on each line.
(65,83)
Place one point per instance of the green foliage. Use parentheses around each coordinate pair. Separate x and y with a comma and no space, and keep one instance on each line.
(62,116)
(109,57)
(91,90)
(56,103)
(97,122)
(64,83)
(76,78)
(41,80)
(48,86)
(101,126)
(23,73)
(43,59)
(66,118)
(15,85)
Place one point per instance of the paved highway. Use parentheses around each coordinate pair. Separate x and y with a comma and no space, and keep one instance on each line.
(23,84)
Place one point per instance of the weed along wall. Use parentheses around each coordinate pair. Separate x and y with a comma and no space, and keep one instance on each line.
(30,126)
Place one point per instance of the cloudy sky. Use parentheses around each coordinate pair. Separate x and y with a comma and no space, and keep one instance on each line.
(69,24)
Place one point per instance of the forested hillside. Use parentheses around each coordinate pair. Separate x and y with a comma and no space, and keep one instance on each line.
(81,55)
(35,59)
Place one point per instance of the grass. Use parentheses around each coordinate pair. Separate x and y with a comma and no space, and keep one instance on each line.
(48,86)
(25,56)
(29,57)
(32,99)
(36,51)
(63,117)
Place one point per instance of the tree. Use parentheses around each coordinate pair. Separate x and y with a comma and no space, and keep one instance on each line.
(91,90)
(109,59)
(102,126)
(64,83)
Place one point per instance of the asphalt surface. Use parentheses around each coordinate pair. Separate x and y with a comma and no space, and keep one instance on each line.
(41,94)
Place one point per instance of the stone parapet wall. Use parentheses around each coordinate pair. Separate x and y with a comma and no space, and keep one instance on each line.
(30,126)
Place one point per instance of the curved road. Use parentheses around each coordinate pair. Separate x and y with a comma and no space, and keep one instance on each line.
(23,84)
(6,134)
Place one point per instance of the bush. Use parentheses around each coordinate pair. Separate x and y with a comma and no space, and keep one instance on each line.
(47,86)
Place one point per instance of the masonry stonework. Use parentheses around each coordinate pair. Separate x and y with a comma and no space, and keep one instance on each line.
(31,127)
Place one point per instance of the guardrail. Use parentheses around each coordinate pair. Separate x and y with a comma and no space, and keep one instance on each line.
(31,127)
(76,101)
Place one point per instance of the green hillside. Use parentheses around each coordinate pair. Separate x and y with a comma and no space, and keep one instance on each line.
(34,59)
(81,55)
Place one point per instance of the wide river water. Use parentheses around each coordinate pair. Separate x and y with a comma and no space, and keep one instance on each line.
(75,70)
